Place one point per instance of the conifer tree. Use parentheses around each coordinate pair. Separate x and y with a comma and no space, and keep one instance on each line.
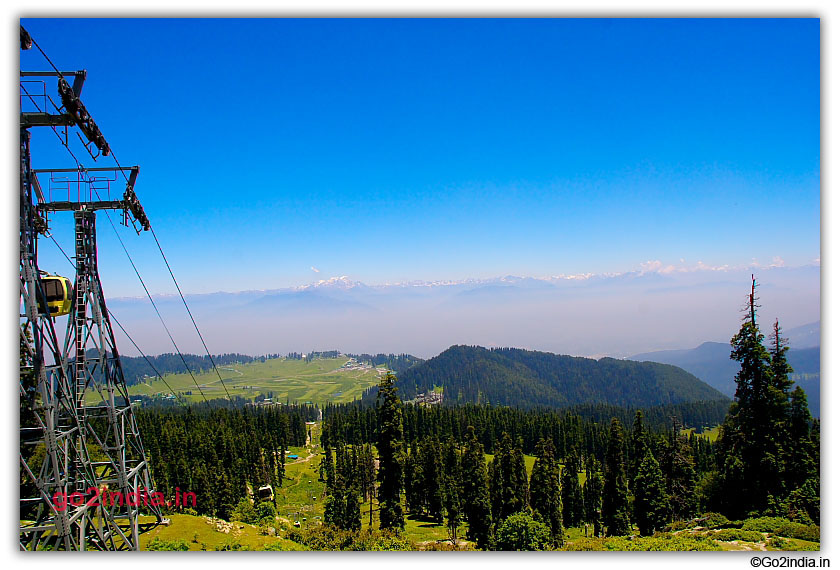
(352,510)
(678,468)
(545,490)
(328,468)
(802,474)
(368,466)
(781,383)
(753,434)
(476,496)
(508,480)
(520,477)
(638,444)
(650,502)
(616,514)
(432,478)
(452,489)
(802,452)
(338,506)
(571,494)
(390,445)
(414,489)
(593,489)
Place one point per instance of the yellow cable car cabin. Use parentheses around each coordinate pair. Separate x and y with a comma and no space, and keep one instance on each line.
(58,291)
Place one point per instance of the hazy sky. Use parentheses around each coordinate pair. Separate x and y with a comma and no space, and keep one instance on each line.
(658,307)
(274,153)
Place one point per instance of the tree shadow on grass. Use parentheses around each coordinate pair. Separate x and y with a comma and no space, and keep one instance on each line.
(428,522)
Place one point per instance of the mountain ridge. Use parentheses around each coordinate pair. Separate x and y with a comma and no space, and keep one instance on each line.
(711,363)
(527,379)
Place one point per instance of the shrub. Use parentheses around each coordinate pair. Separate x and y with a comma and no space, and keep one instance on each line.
(521,532)
(379,541)
(677,525)
(322,537)
(729,534)
(800,531)
(778,543)
(326,537)
(661,543)
(266,529)
(158,544)
(277,546)
(714,520)
(266,510)
(765,524)
(244,512)
(783,527)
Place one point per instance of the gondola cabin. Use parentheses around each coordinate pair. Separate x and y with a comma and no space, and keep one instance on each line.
(58,291)
(266,493)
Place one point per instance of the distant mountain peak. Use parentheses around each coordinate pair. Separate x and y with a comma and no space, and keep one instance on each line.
(343,283)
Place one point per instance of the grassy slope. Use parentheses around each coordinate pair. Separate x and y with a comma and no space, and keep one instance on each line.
(711,434)
(201,534)
(318,381)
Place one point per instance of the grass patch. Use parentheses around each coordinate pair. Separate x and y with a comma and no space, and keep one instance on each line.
(199,534)
(730,534)
(712,434)
(318,381)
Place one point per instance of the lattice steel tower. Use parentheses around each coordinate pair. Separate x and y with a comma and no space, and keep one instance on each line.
(78,432)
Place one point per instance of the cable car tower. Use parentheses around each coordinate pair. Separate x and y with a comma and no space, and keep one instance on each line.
(85,481)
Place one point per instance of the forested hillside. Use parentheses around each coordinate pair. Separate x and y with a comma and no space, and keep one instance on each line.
(527,379)
(583,427)
(217,452)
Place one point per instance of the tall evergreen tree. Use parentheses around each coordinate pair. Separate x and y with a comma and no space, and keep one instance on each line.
(476,496)
(390,445)
(432,478)
(650,501)
(680,475)
(452,489)
(753,434)
(520,477)
(802,473)
(341,507)
(508,480)
(545,490)
(572,494)
(593,489)
(414,488)
(801,450)
(638,444)
(328,468)
(616,514)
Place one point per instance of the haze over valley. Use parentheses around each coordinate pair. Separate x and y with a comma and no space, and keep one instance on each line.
(619,315)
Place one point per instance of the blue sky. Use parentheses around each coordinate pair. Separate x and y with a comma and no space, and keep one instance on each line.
(444,149)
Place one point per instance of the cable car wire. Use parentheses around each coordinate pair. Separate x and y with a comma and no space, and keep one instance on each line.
(125,250)
(154,305)
(189,312)
(180,293)
(125,332)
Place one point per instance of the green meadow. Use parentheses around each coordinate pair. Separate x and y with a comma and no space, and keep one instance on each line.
(318,381)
